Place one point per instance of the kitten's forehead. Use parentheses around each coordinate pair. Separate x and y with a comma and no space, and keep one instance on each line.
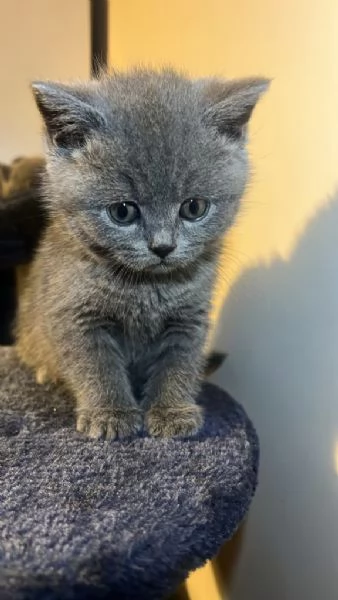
(152,108)
(149,89)
(157,123)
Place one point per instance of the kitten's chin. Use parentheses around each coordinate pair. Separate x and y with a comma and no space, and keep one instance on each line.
(157,269)
(162,268)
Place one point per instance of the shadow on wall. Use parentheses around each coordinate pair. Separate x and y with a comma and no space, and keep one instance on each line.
(280,327)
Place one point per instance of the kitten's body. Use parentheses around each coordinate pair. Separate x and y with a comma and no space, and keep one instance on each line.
(123,330)
(142,315)
(136,310)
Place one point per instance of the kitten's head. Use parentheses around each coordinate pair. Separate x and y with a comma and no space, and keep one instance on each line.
(148,168)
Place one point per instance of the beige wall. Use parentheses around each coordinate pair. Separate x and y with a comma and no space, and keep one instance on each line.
(280,284)
(38,39)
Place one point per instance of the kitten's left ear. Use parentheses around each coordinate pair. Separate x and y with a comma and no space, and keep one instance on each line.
(67,113)
(229,104)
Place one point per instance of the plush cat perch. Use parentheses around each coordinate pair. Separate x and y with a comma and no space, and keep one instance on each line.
(92,520)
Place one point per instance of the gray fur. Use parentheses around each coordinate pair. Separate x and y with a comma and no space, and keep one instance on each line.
(121,329)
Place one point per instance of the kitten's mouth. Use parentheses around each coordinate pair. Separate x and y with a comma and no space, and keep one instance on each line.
(159,267)
(163,267)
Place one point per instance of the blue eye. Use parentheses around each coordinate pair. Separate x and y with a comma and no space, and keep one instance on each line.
(194,209)
(124,213)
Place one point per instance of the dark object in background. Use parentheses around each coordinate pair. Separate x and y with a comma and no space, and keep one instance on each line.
(7,304)
(22,220)
(22,216)
(98,35)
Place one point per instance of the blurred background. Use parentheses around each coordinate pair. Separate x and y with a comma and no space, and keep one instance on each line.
(277,299)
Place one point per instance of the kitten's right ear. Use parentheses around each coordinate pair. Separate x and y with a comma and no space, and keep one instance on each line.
(68,118)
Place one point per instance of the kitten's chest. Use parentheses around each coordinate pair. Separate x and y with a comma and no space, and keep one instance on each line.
(143,311)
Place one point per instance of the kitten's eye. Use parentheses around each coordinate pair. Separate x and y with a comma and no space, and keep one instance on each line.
(194,209)
(123,213)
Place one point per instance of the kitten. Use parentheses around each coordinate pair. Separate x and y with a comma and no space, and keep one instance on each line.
(23,220)
(145,171)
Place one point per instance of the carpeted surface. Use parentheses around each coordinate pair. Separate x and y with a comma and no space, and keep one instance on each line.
(112,520)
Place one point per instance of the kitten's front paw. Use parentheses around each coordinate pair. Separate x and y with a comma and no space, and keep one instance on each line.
(183,420)
(109,424)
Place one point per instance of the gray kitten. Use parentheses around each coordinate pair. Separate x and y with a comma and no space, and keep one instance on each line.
(145,171)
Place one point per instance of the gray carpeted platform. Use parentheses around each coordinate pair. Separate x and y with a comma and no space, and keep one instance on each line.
(97,520)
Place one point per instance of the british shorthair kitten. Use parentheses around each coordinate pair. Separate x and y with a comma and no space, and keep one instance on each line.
(145,172)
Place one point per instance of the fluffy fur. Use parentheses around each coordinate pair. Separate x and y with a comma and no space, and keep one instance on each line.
(121,327)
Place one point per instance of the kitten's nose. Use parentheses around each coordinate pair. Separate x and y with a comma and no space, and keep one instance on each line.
(162,250)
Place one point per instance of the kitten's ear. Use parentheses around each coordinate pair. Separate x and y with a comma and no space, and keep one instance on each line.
(68,117)
(229,104)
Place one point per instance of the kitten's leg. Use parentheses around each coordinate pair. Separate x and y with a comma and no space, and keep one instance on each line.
(170,393)
(93,369)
